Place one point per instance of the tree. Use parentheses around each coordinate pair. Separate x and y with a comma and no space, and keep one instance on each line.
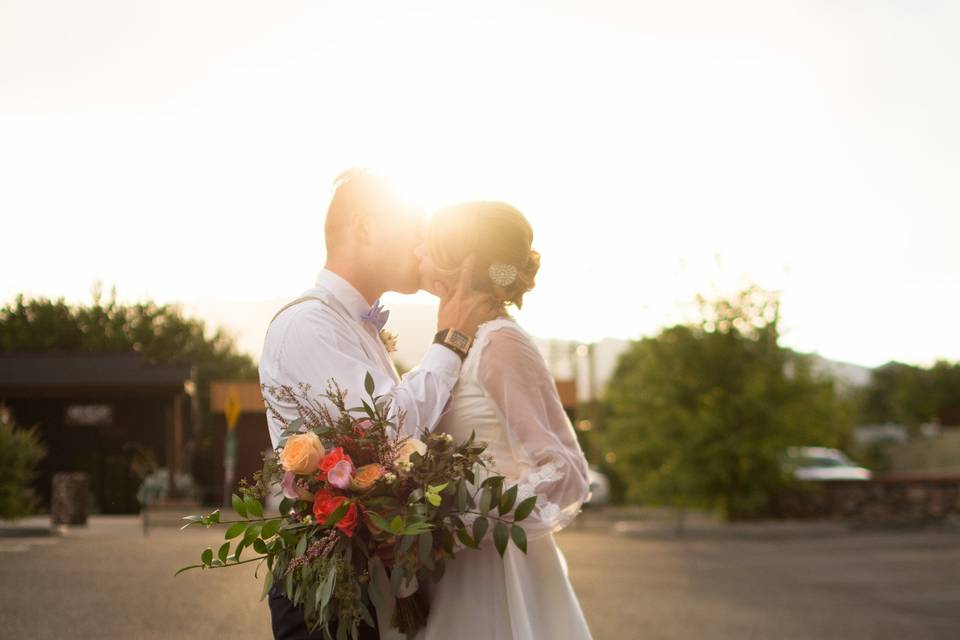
(908,395)
(20,453)
(702,414)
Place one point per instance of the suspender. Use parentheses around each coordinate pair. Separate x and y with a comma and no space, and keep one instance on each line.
(297,301)
(389,363)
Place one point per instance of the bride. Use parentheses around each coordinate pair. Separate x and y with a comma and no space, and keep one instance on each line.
(507,395)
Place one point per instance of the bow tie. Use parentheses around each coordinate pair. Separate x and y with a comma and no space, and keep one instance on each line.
(377,315)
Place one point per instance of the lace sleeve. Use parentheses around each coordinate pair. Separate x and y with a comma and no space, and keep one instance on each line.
(515,377)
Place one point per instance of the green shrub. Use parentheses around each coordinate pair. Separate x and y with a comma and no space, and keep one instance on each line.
(20,452)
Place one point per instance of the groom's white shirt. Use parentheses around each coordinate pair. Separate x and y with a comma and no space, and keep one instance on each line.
(315,341)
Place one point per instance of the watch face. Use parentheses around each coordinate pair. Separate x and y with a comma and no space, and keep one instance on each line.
(458,340)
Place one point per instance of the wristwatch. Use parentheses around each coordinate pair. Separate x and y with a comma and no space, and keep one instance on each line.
(453,339)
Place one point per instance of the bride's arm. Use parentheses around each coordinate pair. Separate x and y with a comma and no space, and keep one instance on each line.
(516,378)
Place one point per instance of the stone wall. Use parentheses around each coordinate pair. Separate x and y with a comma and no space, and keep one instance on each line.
(890,500)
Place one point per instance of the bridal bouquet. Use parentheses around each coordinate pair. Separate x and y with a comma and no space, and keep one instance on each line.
(364,519)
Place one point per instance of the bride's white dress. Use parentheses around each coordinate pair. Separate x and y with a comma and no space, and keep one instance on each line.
(508,397)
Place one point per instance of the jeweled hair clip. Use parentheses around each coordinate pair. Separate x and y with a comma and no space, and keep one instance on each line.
(502,275)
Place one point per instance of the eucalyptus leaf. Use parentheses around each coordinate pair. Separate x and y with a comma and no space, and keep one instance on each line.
(206,556)
(235,529)
(224,550)
(425,549)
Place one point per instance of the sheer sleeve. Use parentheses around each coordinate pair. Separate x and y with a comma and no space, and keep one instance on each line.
(515,377)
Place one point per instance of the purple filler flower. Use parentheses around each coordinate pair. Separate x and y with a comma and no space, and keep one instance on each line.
(341,474)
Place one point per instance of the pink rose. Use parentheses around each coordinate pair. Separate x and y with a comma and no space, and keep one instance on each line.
(341,474)
(293,489)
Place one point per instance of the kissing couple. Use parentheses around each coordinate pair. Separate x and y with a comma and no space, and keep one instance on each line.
(483,374)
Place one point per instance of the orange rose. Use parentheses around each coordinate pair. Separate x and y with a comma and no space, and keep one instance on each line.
(301,453)
(326,502)
(366,476)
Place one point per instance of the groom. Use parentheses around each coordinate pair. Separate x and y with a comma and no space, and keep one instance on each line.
(333,330)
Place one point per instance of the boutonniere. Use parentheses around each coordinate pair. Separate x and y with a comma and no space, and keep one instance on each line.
(389,340)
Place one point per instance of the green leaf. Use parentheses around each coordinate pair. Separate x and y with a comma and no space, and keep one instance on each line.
(396,525)
(461,495)
(326,587)
(506,502)
(253,531)
(270,528)
(437,488)
(235,529)
(466,539)
(434,499)
(206,556)
(501,536)
(238,506)
(438,569)
(224,550)
(253,506)
(267,583)
(378,520)
(524,508)
(485,499)
(301,546)
(425,549)
(368,384)
(337,514)
(480,529)
(377,570)
(215,517)
(259,546)
(519,537)
(405,543)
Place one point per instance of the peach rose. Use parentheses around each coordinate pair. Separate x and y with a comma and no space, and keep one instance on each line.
(407,448)
(366,476)
(302,453)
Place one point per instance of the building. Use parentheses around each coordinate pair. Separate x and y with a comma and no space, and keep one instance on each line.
(110,415)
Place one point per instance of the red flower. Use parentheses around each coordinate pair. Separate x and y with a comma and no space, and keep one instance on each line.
(327,462)
(325,503)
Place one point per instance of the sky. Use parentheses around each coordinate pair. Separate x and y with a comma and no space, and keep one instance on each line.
(184,151)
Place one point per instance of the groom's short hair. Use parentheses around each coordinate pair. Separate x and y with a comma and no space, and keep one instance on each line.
(356,191)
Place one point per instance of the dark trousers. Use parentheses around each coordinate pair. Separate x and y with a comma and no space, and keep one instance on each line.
(288,622)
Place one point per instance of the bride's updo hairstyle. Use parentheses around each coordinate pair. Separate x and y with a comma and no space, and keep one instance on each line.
(500,237)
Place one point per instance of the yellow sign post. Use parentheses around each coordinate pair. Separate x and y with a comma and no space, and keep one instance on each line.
(231,411)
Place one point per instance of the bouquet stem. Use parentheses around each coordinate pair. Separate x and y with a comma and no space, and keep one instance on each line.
(410,613)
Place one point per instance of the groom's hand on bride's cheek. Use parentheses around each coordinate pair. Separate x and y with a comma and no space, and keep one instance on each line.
(461,307)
